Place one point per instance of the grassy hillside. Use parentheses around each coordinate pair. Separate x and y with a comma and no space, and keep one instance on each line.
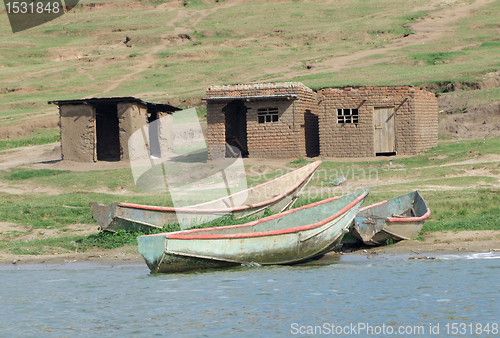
(176,50)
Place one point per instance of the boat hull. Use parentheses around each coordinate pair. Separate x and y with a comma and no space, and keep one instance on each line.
(394,220)
(267,241)
(134,217)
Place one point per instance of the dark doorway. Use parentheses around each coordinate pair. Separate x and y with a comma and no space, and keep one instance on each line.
(154,141)
(236,128)
(311,133)
(107,132)
(389,153)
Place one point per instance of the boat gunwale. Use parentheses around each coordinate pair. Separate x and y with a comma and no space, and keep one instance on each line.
(189,209)
(397,219)
(410,219)
(372,206)
(190,234)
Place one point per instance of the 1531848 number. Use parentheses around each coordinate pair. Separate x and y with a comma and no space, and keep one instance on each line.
(471,329)
(16,7)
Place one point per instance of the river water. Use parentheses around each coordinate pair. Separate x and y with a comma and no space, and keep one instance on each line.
(354,296)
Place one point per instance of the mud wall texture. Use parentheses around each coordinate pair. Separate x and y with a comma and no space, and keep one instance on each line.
(77,133)
(131,117)
(414,118)
(165,132)
(281,138)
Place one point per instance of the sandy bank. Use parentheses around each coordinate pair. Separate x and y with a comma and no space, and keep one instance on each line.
(124,255)
(436,243)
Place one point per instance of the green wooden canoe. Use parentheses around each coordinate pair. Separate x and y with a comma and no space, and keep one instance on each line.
(396,219)
(278,195)
(289,237)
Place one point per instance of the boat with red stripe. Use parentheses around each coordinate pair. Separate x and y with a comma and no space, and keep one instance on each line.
(276,195)
(289,237)
(392,220)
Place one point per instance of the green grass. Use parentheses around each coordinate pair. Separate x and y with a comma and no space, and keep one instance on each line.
(82,53)
(491,44)
(464,99)
(75,189)
(73,243)
(473,209)
(71,181)
(434,167)
(107,240)
(48,212)
(102,240)
(299,162)
(201,112)
(465,210)
(42,246)
(40,136)
(42,211)
(163,54)
(26,174)
(436,58)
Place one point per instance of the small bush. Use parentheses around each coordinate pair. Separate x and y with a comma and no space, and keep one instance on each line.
(299,161)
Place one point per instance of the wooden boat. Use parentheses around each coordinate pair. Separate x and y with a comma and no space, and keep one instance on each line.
(399,218)
(290,237)
(277,195)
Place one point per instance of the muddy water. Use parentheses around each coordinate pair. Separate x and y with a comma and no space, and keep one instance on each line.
(350,296)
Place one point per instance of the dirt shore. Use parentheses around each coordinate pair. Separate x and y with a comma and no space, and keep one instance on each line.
(437,243)
(434,243)
(123,255)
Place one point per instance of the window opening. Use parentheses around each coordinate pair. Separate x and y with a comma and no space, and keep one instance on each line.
(347,115)
(267,115)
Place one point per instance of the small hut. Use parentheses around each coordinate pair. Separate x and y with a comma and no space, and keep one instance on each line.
(374,121)
(98,129)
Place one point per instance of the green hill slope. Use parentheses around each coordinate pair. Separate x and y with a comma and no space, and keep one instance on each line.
(160,50)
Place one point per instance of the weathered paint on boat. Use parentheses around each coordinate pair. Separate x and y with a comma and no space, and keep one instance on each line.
(397,219)
(289,237)
(277,195)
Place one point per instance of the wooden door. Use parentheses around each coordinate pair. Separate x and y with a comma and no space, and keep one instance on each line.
(384,135)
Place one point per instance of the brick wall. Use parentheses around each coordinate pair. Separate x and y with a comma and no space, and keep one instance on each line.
(308,125)
(425,110)
(215,129)
(283,138)
(415,119)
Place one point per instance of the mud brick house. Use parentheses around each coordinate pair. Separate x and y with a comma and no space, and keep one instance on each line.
(288,119)
(98,129)
(264,120)
(371,121)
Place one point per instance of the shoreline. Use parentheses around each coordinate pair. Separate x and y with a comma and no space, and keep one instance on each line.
(442,243)
(120,256)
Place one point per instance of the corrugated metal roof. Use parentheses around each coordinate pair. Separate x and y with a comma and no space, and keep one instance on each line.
(115,100)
